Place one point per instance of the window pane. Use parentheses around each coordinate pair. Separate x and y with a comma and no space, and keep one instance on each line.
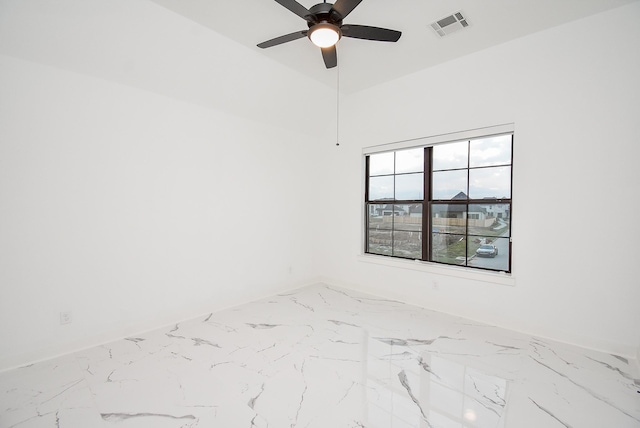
(489,253)
(381,163)
(493,182)
(381,216)
(409,186)
(446,248)
(450,156)
(380,242)
(379,228)
(407,244)
(489,220)
(450,184)
(407,237)
(490,151)
(381,187)
(400,210)
(449,218)
(415,210)
(410,161)
(408,217)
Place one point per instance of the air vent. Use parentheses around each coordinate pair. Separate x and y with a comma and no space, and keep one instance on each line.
(450,24)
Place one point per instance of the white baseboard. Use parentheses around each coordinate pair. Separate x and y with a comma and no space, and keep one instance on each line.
(627,352)
(10,363)
(25,359)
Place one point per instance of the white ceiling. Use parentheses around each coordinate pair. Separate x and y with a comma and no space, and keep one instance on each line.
(162,46)
(363,64)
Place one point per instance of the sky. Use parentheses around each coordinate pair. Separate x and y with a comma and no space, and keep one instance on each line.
(489,160)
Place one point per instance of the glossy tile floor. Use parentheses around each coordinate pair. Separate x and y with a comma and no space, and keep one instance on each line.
(324,357)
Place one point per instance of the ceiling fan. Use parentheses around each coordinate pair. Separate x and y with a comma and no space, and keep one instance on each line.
(325,28)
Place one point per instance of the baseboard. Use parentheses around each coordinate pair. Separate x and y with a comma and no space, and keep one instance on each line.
(26,359)
(18,361)
(627,352)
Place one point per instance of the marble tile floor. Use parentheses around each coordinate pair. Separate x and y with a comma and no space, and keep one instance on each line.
(324,357)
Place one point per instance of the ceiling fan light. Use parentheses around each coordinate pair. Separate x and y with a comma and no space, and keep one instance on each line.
(324,35)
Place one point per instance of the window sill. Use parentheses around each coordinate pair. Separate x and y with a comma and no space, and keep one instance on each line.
(458,272)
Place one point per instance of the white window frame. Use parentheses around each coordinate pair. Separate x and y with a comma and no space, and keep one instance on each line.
(500,278)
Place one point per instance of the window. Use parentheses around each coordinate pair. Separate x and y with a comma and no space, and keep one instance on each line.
(459,192)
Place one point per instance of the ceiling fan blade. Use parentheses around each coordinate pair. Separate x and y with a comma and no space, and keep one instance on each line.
(283,39)
(295,7)
(344,7)
(370,33)
(330,56)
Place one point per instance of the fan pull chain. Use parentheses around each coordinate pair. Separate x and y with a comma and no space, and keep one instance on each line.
(338,107)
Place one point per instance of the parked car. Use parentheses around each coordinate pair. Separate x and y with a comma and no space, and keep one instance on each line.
(487,250)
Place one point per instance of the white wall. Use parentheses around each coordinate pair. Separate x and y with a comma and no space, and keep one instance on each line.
(573,94)
(118,168)
(131,209)
(139,183)
(141,44)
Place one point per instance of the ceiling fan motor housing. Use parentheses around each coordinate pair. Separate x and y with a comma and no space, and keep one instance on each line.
(324,13)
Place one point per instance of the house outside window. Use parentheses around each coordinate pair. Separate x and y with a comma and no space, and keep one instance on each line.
(459,192)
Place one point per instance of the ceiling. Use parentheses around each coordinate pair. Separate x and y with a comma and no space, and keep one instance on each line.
(162,46)
(363,64)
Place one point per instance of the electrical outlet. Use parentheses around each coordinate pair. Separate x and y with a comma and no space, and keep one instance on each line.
(65,317)
(435,285)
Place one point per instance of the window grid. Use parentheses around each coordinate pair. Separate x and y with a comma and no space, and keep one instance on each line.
(483,218)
